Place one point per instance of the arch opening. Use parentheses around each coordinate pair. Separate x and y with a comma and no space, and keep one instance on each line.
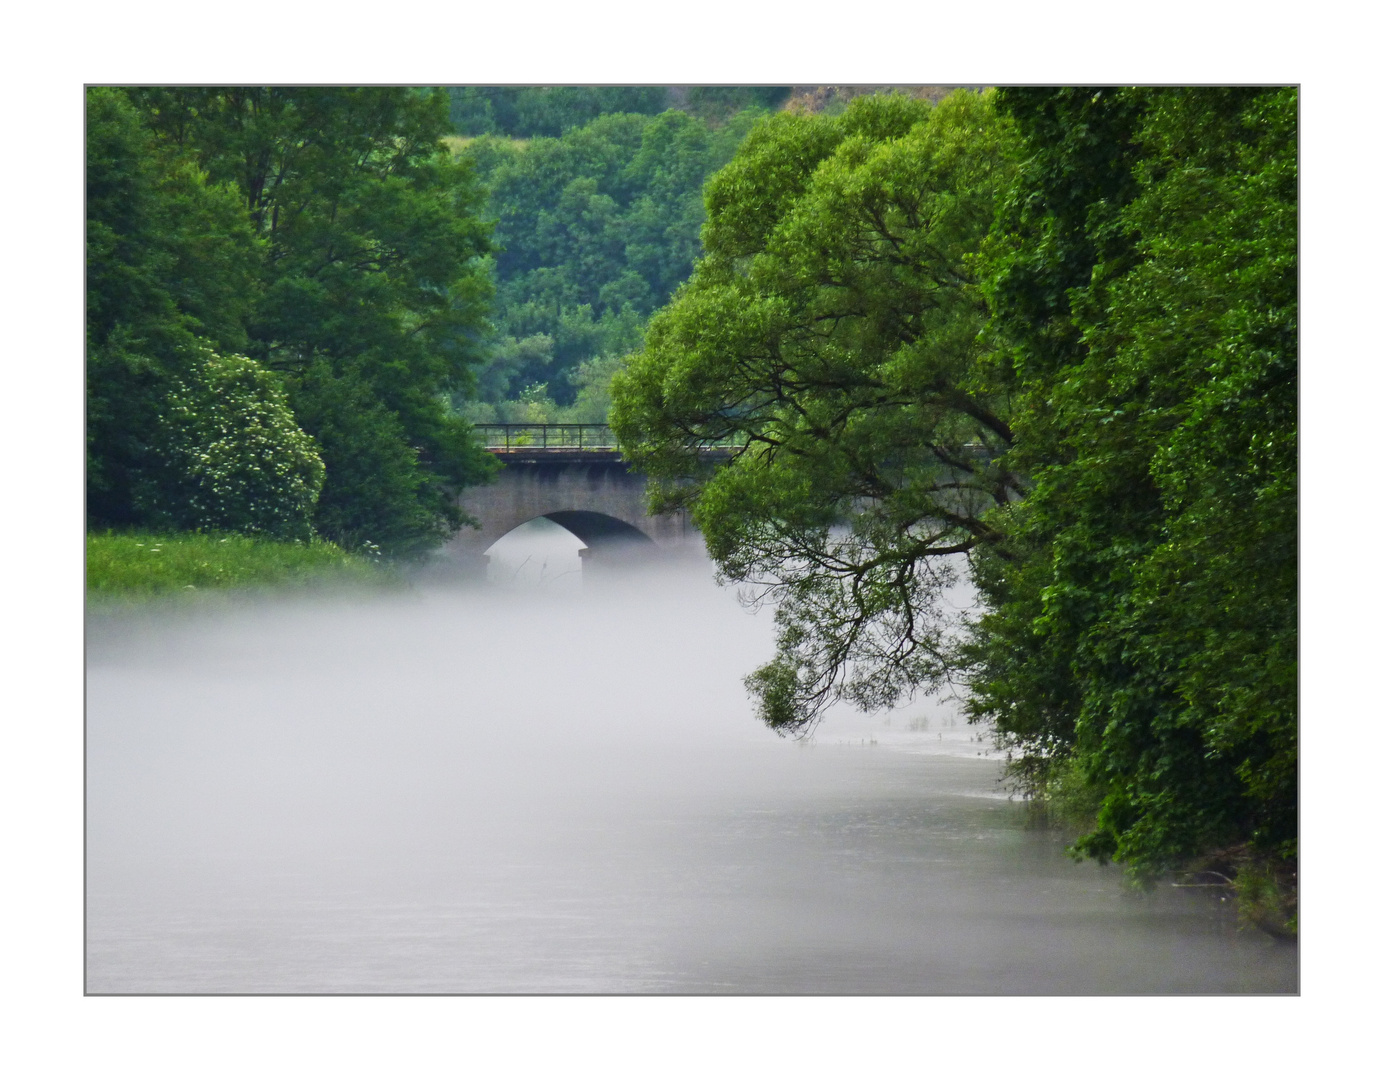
(557,550)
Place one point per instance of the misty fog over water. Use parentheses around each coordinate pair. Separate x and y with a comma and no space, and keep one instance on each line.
(549,784)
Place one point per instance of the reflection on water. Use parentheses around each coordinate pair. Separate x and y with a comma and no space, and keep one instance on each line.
(564,789)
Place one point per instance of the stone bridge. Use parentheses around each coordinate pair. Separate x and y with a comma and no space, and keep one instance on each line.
(571,474)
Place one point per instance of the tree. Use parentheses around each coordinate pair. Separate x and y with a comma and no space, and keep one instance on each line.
(171,276)
(595,230)
(830,335)
(1142,636)
(716,103)
(551,111)
(372,290)
(525,111)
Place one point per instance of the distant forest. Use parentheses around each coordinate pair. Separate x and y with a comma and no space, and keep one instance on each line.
(597,197)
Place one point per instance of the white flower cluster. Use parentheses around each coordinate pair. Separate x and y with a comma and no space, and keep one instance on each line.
(246,464)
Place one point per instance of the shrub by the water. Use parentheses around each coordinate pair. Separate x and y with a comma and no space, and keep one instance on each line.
(238,457)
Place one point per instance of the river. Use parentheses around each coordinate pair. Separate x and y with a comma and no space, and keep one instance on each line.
(543,787)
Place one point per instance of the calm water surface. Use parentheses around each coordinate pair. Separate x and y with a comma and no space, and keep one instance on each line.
(563,790)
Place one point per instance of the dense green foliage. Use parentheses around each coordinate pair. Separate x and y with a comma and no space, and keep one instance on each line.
(327,235)
(171,274)
(595,230)
(135,565)
(1051,331)
(525,111)
(237,458)
(1142,633)
(831,330)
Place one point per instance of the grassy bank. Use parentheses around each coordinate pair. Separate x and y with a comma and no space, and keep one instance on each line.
(136,565)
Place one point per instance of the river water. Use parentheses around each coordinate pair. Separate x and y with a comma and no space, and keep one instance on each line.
(561,788)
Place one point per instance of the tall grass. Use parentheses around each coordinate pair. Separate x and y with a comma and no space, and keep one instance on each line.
(134,565)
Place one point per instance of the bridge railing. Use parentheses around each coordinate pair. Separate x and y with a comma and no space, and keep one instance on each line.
(558,437)
(546,436)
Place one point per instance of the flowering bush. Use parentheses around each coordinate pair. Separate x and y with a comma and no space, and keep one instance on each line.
(237,458)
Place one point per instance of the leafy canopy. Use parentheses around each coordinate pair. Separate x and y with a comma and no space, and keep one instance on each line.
(1142,626)
(595,229)
(829,335)
(181,433)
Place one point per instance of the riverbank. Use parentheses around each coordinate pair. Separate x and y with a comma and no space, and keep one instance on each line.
(140,565)
(1263,889)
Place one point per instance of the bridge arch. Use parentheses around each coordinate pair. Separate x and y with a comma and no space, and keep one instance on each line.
(559,544)
(592,494)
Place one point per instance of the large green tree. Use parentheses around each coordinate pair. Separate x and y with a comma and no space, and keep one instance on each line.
(1141,644)
(830,336)
(181,432)
(371,292)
